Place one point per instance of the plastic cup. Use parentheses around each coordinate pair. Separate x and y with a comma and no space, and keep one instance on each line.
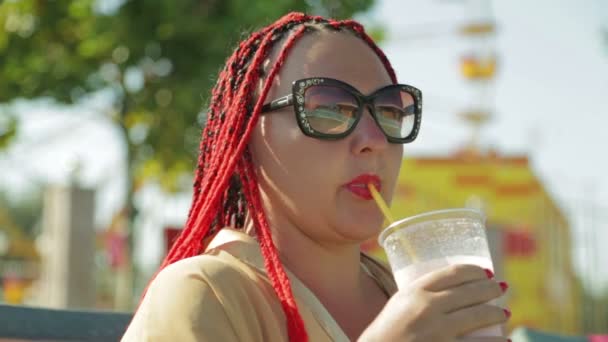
(423,243)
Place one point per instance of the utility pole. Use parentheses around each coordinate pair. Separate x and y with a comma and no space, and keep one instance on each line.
(67,248)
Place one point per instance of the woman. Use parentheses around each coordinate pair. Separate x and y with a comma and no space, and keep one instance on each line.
(305,114)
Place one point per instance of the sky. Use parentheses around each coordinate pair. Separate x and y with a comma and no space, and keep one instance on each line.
(550,90)
(549,100)
(550,94)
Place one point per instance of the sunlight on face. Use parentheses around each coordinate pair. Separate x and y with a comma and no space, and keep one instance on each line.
(302,178)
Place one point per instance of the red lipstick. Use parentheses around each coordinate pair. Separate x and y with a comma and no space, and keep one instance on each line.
(358,186)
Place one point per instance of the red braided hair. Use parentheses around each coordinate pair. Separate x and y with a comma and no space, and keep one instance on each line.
(225,185)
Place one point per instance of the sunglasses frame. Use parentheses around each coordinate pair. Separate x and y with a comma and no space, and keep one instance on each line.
(299,88)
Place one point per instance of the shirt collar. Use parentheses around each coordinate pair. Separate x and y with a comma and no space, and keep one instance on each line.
(247,249)
(240,245)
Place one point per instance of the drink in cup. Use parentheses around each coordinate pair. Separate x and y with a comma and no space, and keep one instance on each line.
(420,244)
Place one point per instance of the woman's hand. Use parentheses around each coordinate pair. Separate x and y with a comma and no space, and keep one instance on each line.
(441,306)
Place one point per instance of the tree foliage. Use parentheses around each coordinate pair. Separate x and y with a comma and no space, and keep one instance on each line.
(21,214)
(158,59)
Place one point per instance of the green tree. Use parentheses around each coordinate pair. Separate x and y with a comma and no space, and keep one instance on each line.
(23,212)
(157,58)
(8,129)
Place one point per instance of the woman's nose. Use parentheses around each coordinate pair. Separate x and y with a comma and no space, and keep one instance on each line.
(368,136)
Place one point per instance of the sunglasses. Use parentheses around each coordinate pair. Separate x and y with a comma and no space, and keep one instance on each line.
(329,109)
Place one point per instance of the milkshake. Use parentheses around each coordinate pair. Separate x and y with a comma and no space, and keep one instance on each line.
(418,245)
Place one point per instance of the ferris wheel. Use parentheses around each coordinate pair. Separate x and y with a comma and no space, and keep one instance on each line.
(478,62)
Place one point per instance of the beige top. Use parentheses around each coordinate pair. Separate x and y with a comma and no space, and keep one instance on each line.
(225,295)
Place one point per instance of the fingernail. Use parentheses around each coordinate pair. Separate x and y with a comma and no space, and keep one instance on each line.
(489,273)
(507,313)
(504,286)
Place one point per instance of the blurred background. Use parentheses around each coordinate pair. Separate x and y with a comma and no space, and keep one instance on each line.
(102,103)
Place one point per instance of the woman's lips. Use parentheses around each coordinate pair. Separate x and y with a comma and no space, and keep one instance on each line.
(359,185)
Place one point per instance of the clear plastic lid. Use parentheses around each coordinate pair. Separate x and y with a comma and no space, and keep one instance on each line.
(431,216)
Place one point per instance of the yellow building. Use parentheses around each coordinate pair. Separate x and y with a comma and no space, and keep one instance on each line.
(528,234)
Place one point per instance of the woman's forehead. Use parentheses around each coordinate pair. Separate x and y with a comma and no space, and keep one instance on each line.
(339,55)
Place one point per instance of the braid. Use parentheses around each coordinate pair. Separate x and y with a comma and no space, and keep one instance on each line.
(225,184)
(360,32)
(273,265)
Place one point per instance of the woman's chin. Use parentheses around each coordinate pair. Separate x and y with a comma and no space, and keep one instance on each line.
(362,229)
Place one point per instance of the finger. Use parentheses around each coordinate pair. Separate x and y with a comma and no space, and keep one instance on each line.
(467,320)
(469,294)
(452,275)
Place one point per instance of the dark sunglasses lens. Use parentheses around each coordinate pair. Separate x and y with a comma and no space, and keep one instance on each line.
(330,110)
(395,110)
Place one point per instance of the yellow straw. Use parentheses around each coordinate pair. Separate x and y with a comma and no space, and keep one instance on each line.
(387,214)
(381,204)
